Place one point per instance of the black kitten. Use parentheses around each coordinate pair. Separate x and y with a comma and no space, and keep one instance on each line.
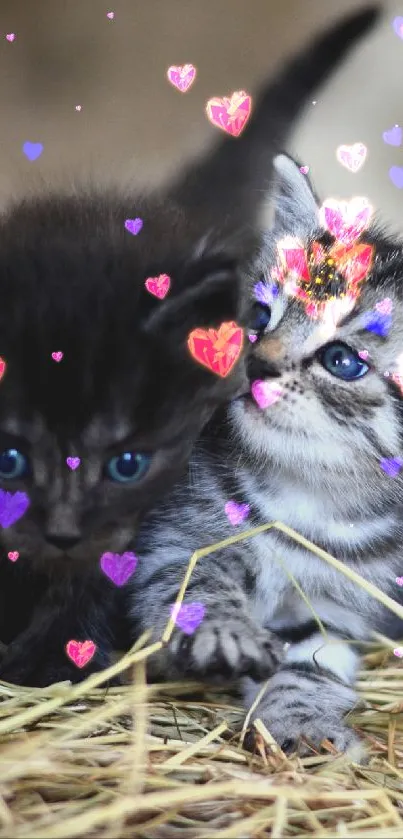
(126,398)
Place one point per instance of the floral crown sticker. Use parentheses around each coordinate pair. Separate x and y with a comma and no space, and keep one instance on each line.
(321,274)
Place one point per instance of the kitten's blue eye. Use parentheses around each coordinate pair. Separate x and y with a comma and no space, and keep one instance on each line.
(129,466)
(261,317)
(13,464)
(343,362)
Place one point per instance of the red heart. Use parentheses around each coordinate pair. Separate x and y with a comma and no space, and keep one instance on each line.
(232,114)
(80,652)
(2,368)
(182,77)
(217,349)
(158,286)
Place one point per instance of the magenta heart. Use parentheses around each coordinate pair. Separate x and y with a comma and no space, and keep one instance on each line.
(57,356)
(399,581)
(252,338)
(396,176)
(133,225)
(73,462)
(398,26)
(119,567)
(10,37)
(304,170)
(236,513)
(398,651)
(393,136)
(188,616)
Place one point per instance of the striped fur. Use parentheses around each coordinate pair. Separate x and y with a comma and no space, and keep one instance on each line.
(311,460)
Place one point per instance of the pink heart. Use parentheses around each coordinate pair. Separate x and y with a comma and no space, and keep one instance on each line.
(182,77)
(188,616)
(57,356)
(385,306)
(304,169)
(266,393)
(399,581)
(398,651)
(352,157)
(252,338)
(73,462)
(363,354)
(119,567)
(158,286)
(236,513)
(230,114)
(110,15)
(345,220)
(10,36)
(80,652)
(13,556)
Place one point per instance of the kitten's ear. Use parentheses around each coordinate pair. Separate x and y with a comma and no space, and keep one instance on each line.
(294,206)
(227,191)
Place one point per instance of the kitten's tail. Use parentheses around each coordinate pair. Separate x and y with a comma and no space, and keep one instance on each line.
(247,160)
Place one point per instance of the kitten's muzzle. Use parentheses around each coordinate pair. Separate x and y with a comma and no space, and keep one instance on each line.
(261,368)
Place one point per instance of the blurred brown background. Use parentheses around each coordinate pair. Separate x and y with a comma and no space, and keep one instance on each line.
(134,125)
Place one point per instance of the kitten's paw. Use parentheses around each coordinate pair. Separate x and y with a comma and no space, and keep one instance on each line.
(228,647)
(300,713)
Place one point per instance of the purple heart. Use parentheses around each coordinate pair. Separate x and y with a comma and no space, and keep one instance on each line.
(119,567)
(32,150)
(252,337)
(133,225)
(188,616)
(236,513)
(398,26)
(396,176)
(73,462)
(391,466)
(265,293)
(13,505)
(378,322)
(393,136)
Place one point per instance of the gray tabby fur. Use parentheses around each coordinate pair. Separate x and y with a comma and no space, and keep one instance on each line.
(310,460)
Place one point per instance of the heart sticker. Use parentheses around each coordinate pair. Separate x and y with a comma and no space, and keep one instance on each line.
(13,556)
(11,37)
(32,150)
(398,26)
(399,581)
(133,225)
(384,306)
(396,176)
(252,338)
(2,368)
(346,220)
(158,286)
(110,15)
(73,462)
(304,170)
(236,513)
(398,651)
(57,356)
(363,354)
(119,567)
(266,393)
(230,114)
(393,136)
(13,505)
(188,616)
(182,77)
(391,466)
(352,157)
(217,349)
(80,652)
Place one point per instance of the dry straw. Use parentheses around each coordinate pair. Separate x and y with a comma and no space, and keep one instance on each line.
(146,761)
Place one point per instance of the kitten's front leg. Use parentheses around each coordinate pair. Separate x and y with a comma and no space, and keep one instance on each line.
(82,611)
(223,641)
(308,698)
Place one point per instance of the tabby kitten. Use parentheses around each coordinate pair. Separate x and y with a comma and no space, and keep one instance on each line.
(98,371)
(319,459)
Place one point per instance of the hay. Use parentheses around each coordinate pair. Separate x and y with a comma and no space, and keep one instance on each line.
(155,762)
